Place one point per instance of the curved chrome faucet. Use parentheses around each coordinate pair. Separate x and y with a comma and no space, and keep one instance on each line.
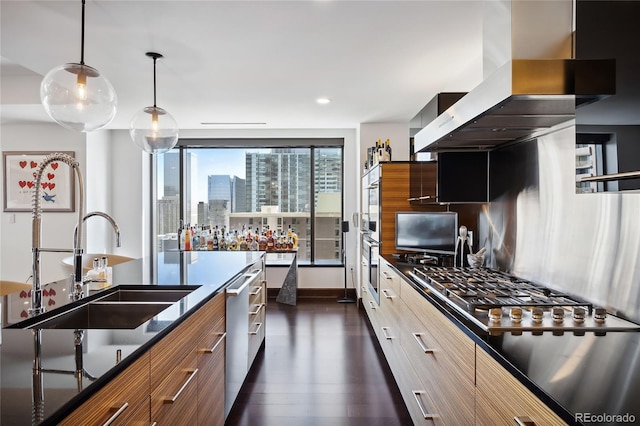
(111,220)
(36,230)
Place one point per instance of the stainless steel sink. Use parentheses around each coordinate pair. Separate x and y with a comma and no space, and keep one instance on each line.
(104,315)
(122,307)
(141,294)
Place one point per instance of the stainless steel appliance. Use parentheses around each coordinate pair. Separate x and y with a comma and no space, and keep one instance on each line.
(370,254)
(498,302)
(237,345)
(371,193)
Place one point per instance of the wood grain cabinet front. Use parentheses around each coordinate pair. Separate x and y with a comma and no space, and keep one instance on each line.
(124,398)
(501,398)
(175,400)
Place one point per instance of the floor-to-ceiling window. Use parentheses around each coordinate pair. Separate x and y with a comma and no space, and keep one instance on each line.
(253,186)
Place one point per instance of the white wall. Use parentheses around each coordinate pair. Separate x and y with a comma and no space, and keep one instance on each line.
(57,228)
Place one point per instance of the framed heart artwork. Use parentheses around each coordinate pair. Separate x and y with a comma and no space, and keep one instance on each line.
(57,192)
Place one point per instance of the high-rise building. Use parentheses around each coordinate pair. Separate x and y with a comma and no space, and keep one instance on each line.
(238,195)
(171,188)
(168,214)
(278,178)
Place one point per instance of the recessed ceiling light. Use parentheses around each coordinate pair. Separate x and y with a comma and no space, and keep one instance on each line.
(323,100)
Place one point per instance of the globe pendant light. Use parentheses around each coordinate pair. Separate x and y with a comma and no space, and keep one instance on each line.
(76,96)
(153,129)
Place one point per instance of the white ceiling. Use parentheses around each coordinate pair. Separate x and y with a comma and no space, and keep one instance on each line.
(249,61)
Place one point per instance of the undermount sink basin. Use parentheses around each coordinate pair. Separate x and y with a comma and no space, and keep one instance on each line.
(121,307)
(104,315)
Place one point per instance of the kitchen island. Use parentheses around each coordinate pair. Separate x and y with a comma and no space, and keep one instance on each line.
(105,352)
(580,378)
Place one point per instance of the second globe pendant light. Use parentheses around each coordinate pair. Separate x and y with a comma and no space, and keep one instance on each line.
(153,129)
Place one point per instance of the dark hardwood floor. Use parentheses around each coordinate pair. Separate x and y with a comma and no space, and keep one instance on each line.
(320,366)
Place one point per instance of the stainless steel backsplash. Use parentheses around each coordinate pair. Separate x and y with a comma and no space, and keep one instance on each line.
(538,228)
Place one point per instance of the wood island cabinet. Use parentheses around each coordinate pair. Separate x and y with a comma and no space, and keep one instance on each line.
(179,366)
(124,400)
(443,376)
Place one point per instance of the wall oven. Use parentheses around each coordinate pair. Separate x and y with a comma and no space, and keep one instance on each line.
(370,254)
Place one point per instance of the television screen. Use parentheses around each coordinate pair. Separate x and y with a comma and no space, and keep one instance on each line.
(431,232)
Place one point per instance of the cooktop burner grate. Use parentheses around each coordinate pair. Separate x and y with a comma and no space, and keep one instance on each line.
(480,289)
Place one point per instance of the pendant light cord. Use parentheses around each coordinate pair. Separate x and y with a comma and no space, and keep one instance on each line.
(154,81)
(82,36)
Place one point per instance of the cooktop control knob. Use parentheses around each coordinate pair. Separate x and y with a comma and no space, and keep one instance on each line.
(557,314)
(578,314)
(536,315)
(516,315)
(495,314)
(599,315)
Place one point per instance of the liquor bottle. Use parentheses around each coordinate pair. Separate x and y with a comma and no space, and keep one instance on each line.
(210,241)
(262,241)
(376,152)
(294,236)
(271,243)
(215,241)
(387,149)
(187,239)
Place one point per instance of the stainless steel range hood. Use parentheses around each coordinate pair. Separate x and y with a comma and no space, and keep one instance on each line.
(531,80)
(520,99)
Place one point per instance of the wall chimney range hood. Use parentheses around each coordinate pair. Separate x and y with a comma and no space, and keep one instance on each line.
(531,79)
(519,100)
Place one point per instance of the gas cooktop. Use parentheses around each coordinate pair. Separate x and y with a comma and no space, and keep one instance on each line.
(499,302)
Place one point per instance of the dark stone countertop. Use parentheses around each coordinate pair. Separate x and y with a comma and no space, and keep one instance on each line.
(586,379)
(212,271)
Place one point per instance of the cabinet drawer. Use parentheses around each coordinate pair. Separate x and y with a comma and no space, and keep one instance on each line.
(389,278)
(139,416)
(501,397)
(257,294)
(446,338)
(170,351)
(418,401)
(116,400)
(174,401)
(211,380)
(256,337)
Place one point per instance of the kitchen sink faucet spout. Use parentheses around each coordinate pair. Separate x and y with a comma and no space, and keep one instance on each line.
(36,231)
(111,220)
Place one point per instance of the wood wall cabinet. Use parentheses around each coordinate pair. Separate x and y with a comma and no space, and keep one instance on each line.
(393,197)
(124,400)
(423,182)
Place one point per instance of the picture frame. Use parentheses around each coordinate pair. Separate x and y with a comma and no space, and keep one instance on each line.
(58,185)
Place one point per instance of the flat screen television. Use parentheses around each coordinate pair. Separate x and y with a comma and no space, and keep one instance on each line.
(428,232)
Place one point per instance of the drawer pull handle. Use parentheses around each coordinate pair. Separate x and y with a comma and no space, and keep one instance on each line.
(416,395)
(154,424)
(372,305)
(386,335)
(210,351)
(257,311)
(175,397)
(117,414)
(387,275)
(524,421)
(422,346)
(253,333)
(256,290)
(386,294)
(364,289)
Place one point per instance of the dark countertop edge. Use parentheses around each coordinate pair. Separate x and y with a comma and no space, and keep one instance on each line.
(465,327)
(80,398)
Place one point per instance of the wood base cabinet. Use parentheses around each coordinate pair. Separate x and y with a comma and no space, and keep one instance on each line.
(501,398)
(125,400)
(443,376)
